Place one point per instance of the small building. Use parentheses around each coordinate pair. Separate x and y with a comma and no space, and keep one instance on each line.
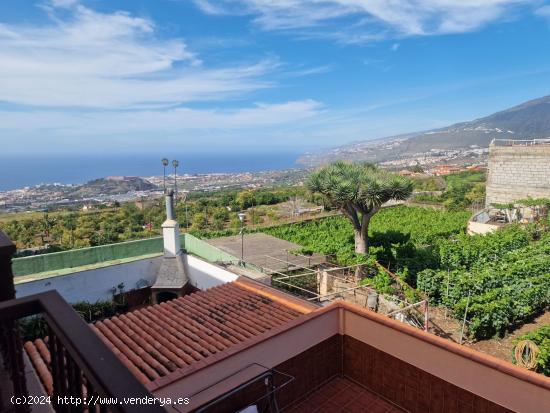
(483,223)
(477,168)
(143,203)
(441,170)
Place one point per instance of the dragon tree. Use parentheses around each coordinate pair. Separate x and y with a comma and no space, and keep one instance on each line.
(359,190)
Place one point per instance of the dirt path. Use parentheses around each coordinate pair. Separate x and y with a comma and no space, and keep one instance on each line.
(450,328)
(446,327)
(503,348)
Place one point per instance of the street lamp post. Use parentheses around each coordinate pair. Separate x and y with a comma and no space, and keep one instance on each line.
(164,165)
(185,194)
(175,164)
(242,215)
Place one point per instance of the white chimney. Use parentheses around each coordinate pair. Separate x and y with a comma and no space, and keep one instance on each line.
(171,279)
(170,229)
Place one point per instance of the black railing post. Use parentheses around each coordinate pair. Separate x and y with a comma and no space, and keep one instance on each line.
(11,347)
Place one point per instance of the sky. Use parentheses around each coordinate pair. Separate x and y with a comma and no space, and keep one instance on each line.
(238,76)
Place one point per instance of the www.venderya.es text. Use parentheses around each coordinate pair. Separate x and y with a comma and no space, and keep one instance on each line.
(99,400)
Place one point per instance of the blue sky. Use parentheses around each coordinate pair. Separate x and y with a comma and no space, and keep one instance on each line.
(258,75)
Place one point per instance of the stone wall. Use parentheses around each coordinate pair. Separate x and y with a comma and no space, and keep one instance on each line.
(517,172)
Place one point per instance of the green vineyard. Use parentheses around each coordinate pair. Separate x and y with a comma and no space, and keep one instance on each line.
(505,274)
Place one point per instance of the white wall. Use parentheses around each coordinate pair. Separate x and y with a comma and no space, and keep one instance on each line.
(203,275)
(480,228)
(96,284)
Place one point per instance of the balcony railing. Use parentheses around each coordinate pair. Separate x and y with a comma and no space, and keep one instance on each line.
(82,366)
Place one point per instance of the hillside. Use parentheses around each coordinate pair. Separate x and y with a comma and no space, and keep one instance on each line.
(525,121)
(112,185)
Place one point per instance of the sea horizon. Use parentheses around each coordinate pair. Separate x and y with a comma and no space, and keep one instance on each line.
(17,172)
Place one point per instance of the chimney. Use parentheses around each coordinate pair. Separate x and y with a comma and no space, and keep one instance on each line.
(172,280)
(170,205)
(170,228)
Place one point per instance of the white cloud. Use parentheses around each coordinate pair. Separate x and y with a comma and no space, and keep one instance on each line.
(543,11)
(84,58)
(370,19)
(169,120)
(85,77)
(63,3)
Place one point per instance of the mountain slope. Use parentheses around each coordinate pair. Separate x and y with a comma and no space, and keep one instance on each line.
(525,121)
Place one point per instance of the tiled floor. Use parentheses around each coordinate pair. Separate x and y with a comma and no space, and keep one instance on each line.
(342,395)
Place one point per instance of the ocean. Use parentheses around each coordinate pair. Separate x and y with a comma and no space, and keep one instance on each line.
(20,171)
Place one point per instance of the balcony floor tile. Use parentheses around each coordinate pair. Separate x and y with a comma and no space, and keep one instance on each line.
(343,395)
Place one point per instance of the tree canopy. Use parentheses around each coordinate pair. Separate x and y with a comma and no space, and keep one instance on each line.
(359,190)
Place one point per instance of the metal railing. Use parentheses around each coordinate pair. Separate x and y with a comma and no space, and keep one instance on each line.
(82,366)
(272,379)
(520,142)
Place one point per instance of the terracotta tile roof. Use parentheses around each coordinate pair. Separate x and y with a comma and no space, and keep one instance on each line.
(160,339)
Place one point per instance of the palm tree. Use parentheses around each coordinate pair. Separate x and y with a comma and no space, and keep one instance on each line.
(359,190)
(46,225)
(71,225)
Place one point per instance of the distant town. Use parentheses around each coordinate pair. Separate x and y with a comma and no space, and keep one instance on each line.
(119,189)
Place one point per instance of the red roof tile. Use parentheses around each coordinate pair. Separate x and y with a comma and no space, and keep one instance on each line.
(157,340)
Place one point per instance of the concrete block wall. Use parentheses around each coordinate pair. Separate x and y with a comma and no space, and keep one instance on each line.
(518,172)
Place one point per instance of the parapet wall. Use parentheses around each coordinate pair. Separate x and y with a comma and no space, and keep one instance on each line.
(86,256)
(518,172)
(122,252)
